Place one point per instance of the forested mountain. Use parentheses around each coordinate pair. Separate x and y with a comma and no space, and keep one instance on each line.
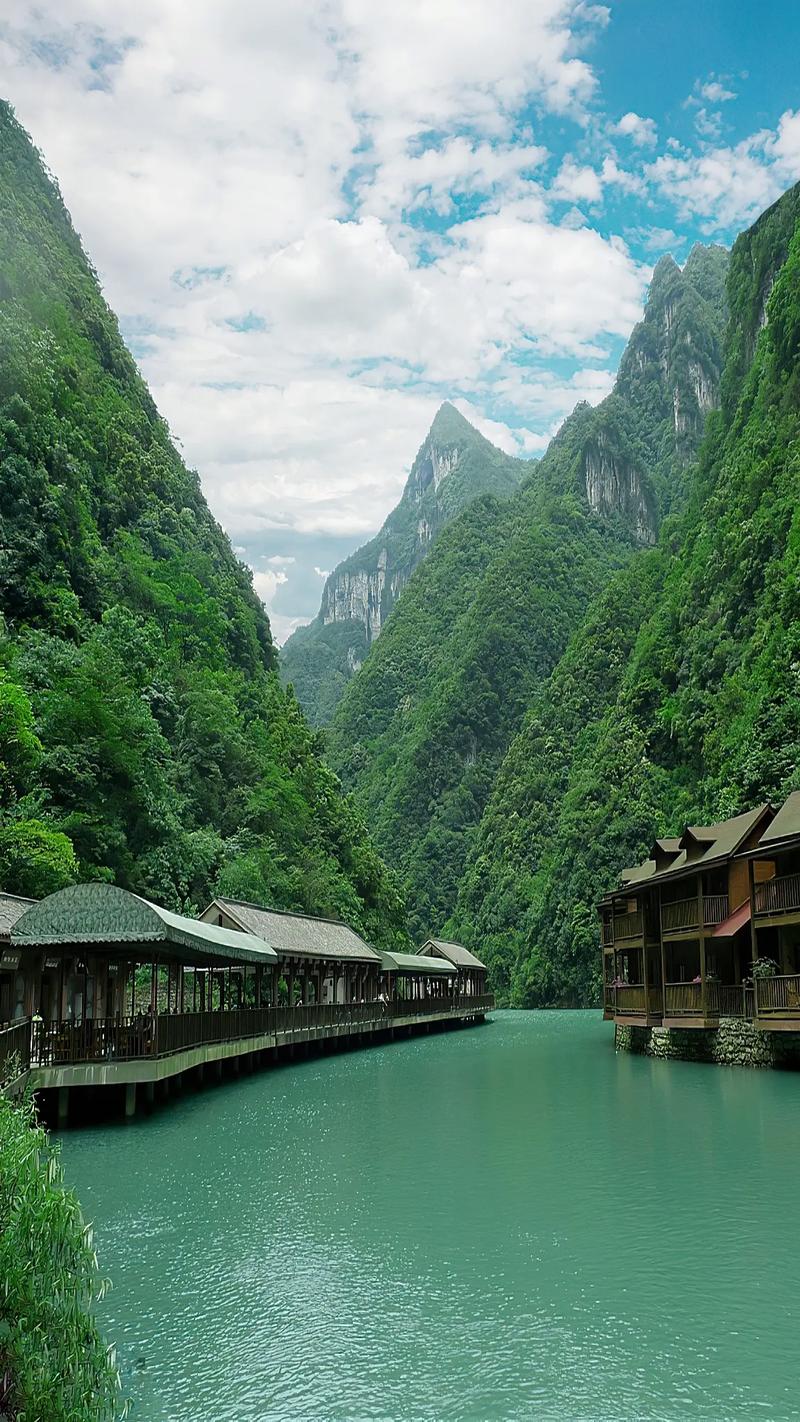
(678,700)
(423,728)
(144,734)
(454,465)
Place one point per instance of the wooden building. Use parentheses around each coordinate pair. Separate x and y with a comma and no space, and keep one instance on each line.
(682,930)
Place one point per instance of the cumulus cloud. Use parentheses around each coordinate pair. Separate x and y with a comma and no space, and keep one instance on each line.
(322,572)
(729,185)
(641,131)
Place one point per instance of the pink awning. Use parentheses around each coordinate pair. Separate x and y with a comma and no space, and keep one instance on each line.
(733,922)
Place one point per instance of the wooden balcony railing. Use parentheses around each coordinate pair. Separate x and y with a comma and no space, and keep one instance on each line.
(708,1000)
(683,1000)
(778,997)
(49,1044)
(628,925)
(633,1000)
(607,933)
(686,912)
(780,895)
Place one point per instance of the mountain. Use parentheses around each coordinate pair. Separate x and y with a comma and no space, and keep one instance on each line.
(423,728)
(678,699)
(454,465)
(144,735)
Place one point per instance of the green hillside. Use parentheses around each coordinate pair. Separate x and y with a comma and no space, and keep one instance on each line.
(454,465)
(423,728)
(677,701)
(144,735)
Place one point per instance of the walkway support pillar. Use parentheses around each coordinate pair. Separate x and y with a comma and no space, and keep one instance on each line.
(63,1106)
(130,1100)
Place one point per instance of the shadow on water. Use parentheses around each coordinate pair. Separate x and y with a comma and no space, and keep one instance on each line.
(508,1223)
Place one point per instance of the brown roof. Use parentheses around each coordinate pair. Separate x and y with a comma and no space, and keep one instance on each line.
(12,907)
(721,840)
(296,934)
(453,952)
(786,823)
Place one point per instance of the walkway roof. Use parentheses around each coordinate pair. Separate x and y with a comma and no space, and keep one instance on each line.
(295,934)
(115,919)
(416,963)
(11,908)
(453,952)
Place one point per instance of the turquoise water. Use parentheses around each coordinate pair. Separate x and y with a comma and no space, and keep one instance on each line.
(504,1223)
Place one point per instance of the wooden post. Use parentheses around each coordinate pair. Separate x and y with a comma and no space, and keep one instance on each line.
(702,930)
(663,948)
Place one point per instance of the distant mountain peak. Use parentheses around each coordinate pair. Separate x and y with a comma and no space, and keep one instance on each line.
(450,426)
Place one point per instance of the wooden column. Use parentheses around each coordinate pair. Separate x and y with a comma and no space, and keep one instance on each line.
(702,930)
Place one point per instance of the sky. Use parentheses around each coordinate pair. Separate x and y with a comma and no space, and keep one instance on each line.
(318,220)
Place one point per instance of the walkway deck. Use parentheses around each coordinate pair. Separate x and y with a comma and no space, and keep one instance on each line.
(135,1051)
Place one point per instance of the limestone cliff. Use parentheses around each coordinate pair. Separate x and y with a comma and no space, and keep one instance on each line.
(454,465)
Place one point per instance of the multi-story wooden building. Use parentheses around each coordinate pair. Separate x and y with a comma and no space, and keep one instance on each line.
(682,931)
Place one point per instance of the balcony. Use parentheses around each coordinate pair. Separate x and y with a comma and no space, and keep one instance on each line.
(632,1000)
(628,926)
(703,1001)
(685,914)
(778,999)
(778,896)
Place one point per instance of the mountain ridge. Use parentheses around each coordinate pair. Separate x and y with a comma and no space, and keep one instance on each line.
(454,464)
(423,727)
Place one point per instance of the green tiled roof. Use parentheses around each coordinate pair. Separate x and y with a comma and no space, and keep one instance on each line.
(104,914)
(415,963)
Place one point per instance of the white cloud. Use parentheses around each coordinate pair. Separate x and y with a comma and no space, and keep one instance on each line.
(727,186)
(715,92)
(322,572)
(641,131)
(280,560)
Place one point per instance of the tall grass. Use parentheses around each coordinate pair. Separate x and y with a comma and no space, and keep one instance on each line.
(54,1363)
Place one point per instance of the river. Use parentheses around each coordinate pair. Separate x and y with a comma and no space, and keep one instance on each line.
(504,1223)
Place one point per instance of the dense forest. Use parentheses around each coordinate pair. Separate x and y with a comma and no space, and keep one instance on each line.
(144,734)
(454,465)
(423,729)
(678,700)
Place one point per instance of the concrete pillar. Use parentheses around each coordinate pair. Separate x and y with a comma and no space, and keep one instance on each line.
(63,1106)
(130,1100)
(149,1094)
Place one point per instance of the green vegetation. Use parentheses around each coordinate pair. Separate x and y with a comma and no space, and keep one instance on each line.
(423,729)
(677,701)
(455,465)
(54,1361)
(144,734)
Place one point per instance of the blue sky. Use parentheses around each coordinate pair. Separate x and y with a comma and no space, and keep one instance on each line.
(318,221)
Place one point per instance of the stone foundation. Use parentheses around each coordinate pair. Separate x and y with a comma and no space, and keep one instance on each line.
(734,1043)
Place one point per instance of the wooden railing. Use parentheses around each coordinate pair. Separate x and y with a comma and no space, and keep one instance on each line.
(633,1000)
(683,1000)
(708,1000)
(729,1000)
(685,913)
(607,933)
(15,1049)
(628,925)
(778,997)
(132,1039)
(780,895)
